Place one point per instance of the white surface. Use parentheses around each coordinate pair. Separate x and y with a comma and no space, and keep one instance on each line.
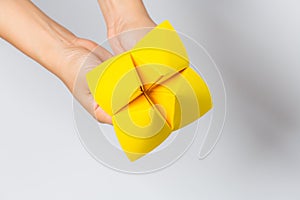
(256,45)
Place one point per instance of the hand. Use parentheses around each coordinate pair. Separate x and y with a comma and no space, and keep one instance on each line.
(79,59)
(125,16)
(124,35)
(54,47)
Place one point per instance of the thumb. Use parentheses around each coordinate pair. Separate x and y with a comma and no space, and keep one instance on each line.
(81,90)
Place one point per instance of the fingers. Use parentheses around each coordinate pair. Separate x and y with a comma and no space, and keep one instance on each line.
(94,56)
(101,115)
(85,98)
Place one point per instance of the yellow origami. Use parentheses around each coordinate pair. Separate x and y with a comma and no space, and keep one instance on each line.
(149,91)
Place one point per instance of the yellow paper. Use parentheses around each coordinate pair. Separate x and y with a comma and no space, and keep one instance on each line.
(150,91)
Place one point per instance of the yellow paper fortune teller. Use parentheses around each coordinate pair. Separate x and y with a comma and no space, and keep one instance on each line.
(149,91)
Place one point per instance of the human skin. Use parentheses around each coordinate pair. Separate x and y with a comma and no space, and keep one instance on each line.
(54,47)
(125,15)
(31,31)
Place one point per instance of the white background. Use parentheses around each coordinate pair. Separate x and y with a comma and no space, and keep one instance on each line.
(256,45)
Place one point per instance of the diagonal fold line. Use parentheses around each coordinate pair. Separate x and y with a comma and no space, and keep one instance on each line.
(137,71)
(156,109)
(126,105)
(168,79)
(151,86)
(141,86)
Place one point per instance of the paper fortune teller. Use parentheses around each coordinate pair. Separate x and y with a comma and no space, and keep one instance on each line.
(149,91)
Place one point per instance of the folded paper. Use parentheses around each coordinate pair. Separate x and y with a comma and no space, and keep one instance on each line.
(149,91)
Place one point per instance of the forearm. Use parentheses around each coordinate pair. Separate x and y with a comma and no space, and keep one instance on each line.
(27,28)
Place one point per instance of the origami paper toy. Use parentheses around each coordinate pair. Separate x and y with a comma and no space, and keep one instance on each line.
(149,91)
